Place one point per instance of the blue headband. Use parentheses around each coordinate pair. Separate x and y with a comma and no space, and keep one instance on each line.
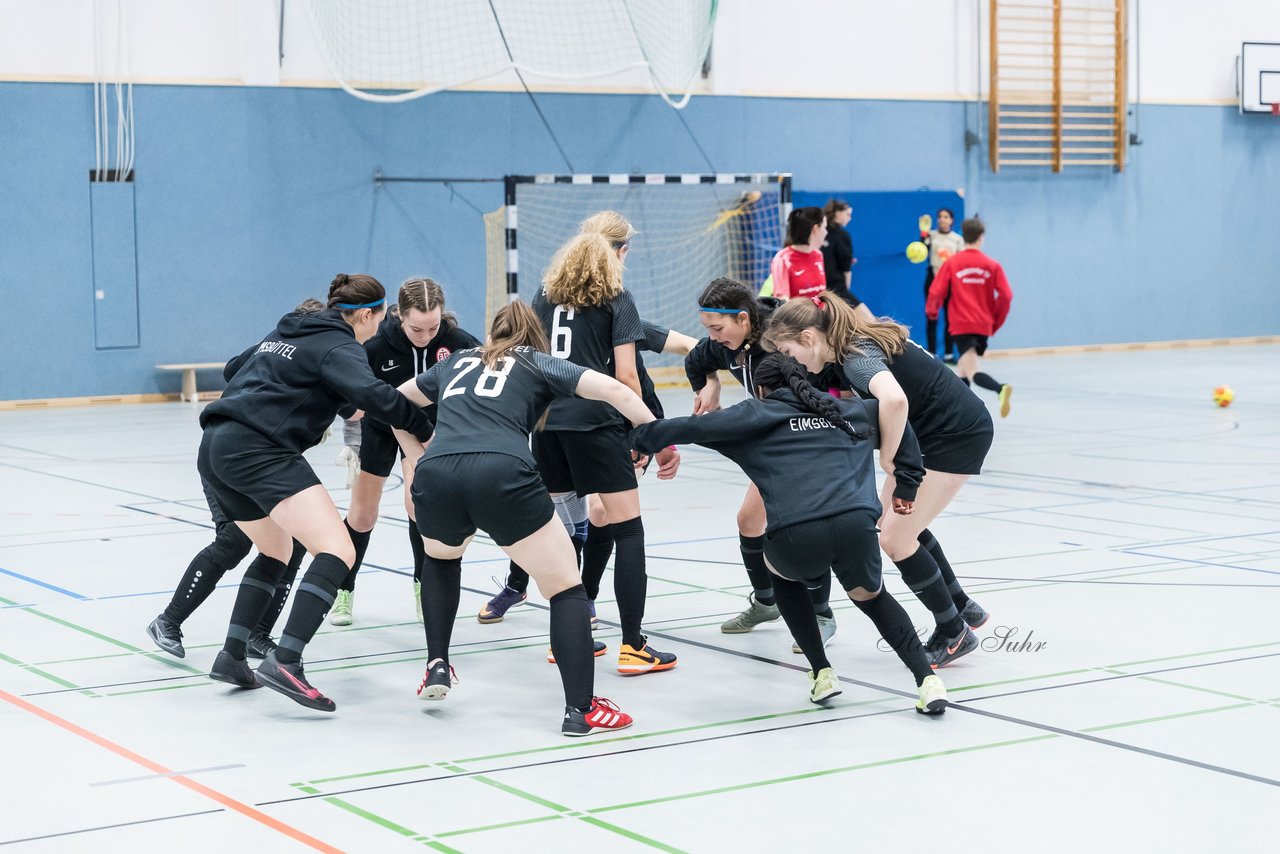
(348,305)
(722,310)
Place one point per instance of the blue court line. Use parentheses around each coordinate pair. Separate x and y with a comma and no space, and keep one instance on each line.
(1175,559)
(43,584)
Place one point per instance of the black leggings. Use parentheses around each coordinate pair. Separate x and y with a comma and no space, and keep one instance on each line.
(931,326)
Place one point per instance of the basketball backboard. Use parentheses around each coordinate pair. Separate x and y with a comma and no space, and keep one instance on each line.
(1258,77)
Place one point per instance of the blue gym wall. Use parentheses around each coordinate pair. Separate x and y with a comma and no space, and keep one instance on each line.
(249,199)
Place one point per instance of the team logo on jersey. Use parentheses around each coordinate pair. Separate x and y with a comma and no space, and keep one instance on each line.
(443,353)
(390,365)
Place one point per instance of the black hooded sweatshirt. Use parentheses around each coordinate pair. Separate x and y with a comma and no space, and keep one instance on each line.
(298,379)
(395,360)
(804,467)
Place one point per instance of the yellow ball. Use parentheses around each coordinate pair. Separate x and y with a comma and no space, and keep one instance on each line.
(1223,395)
(917,252)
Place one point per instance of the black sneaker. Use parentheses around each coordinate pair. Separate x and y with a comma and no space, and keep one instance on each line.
(288,679)
(167,635)
(435,685)
(258,645)
(974,614)
(942,651)
(233,671)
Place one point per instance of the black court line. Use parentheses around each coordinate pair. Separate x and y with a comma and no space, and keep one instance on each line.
(109,826)
(41,453)
(808,723)
(83,482)
(1112,678)
(1051,580)
(580,758)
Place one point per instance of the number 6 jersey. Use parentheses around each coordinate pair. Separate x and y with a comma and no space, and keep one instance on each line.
(586,337)
(493,410)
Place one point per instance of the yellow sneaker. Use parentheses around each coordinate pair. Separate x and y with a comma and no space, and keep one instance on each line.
(1006,392)
(825,685)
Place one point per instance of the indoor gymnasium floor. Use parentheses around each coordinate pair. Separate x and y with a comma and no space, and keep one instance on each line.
(1125,538)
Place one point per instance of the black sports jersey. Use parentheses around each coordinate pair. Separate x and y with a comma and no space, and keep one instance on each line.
(804,467)
(707,356)
(494,410)
(655,340)
(299,377)
(395,360)
(586,337)
(938,403)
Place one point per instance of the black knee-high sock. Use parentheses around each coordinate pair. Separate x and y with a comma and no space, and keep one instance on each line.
(517,578)
(359,539)
(931,335)
(595,557)
(316,592)
(761,578)
(895,627)
(931,544)
(419,551)
(797,613)
(820,596)
(986,381)
(252,600)
(920,572)
(572,646)
(441,590)
(630,582)
(206,569)
(579,540)
(283,586)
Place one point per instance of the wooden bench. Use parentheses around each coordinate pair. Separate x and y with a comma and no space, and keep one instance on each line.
(189,375)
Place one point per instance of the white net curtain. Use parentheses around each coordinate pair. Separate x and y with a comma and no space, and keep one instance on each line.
(416,47)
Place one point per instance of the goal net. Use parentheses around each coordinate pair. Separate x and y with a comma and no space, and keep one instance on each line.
(420,47)
(690,229)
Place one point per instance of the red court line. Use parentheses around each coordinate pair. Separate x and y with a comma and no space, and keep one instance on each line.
(200,788)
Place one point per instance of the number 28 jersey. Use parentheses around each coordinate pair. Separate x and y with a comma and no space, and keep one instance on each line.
(493,410)
(586,337)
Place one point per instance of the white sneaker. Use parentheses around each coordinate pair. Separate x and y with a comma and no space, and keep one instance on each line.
(417,599)
(933,696)
(825,685)
(826,627)
(340,613)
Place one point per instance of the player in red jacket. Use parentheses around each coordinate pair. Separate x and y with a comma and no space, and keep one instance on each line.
(979,303)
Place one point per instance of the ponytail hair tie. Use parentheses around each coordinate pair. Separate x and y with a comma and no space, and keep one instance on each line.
(821,304)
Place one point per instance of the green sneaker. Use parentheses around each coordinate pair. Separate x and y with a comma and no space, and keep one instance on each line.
(825,685)
(417,598)
(752,617)
(827,627)
(340,613)
(933,696)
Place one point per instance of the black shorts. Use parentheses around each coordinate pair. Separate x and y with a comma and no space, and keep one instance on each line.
(957,453)
(500,494)
(586,462)
(847,544)
(247,472)
(965,343)
(215,509)
(378,449)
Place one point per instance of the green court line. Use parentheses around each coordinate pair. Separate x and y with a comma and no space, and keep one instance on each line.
(105,638)
(584,744)
(429,841)
(1196,654)
(35,671)
(1198,688)
(848,768)
(500,826)
(825,773)
(1171,717)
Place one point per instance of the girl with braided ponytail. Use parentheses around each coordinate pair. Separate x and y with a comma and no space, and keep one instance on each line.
(735,320)
(789,439)
(953,427)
